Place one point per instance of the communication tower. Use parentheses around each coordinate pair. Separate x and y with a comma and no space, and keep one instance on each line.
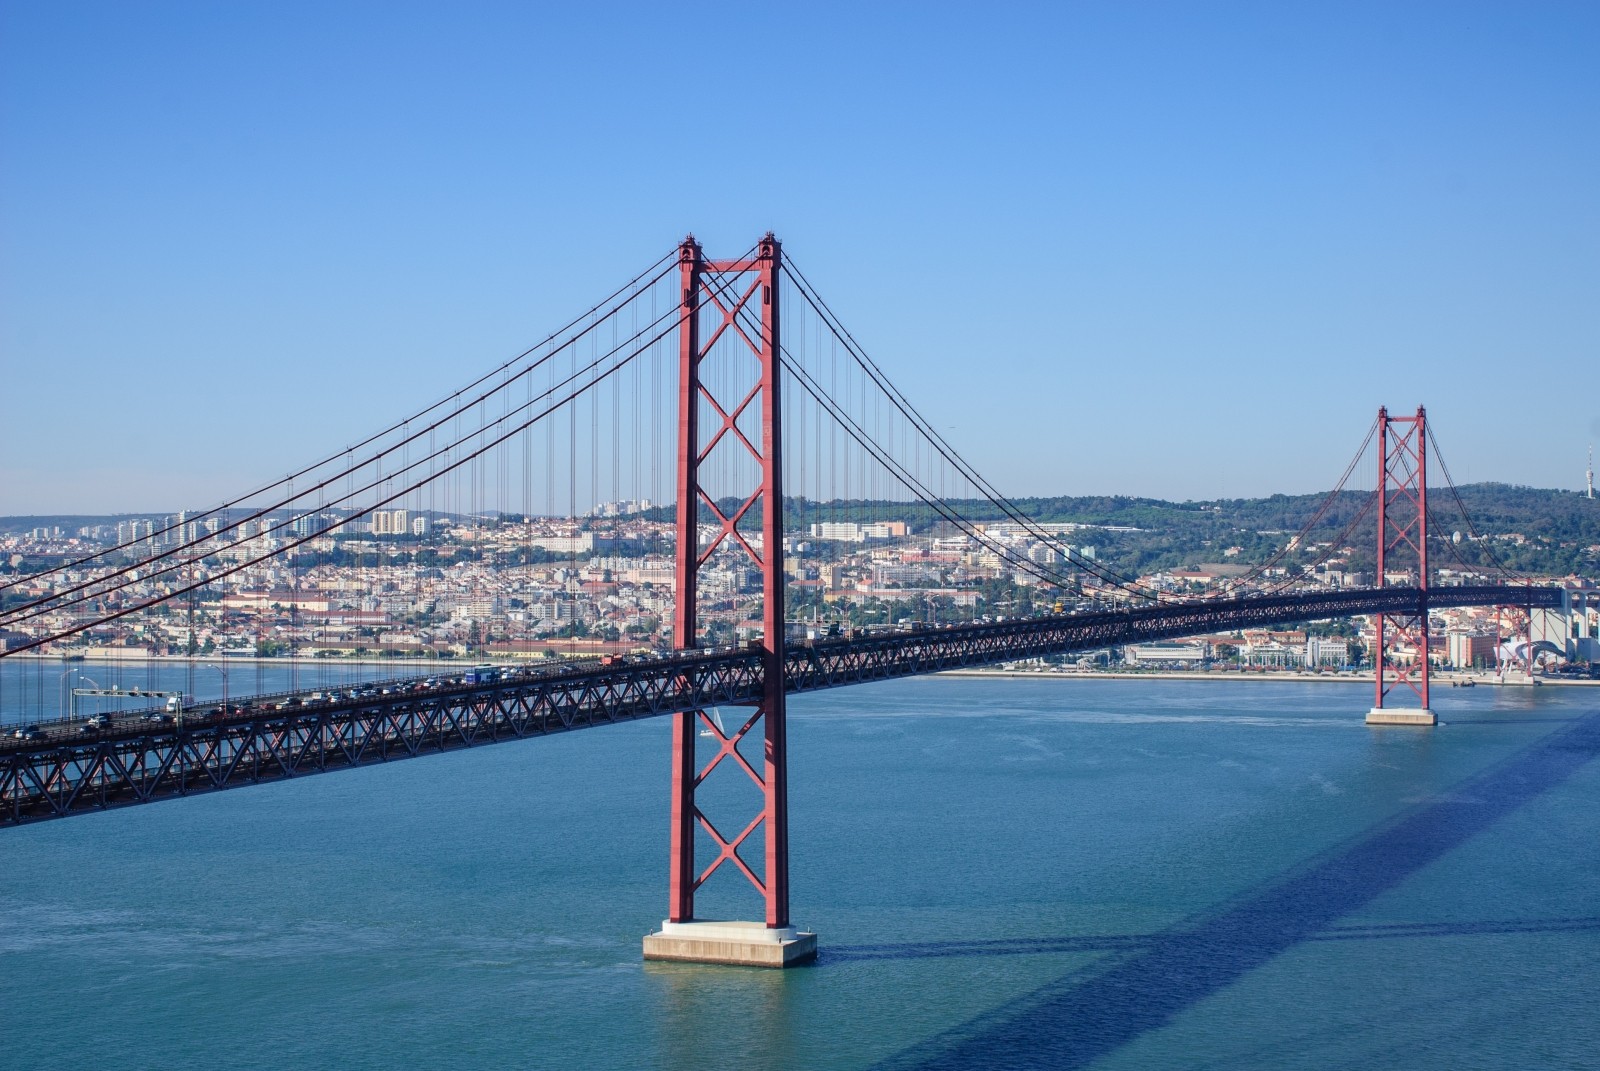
(1590,472)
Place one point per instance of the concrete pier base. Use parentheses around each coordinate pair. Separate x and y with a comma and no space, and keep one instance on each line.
(1401,716)
(740,944)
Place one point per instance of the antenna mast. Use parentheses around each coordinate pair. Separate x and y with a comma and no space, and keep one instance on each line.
(1590,472)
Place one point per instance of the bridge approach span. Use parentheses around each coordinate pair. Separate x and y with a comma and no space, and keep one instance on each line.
(74,771)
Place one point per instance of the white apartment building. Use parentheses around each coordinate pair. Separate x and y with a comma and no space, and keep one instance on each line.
(391,522)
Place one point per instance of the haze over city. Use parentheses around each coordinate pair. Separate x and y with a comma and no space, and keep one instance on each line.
(1146,250)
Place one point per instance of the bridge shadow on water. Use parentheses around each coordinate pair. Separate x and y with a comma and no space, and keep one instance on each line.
(1465,722)
(1151,979)
(1035,946)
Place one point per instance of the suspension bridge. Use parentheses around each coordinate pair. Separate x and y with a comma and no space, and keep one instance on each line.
(785,439)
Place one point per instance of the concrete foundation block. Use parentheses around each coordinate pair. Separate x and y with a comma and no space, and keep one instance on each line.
(739,944)
(1401,716)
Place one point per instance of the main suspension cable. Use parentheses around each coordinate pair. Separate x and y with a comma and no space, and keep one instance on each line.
(134,571)
(951,456)
(678,317)
(631,285)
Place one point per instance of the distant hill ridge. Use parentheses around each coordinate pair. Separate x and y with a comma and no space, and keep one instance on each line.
(1560,529)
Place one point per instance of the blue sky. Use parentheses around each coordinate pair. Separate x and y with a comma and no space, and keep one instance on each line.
(1182,250)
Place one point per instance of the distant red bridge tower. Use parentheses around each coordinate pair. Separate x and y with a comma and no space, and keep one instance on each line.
(1400,651)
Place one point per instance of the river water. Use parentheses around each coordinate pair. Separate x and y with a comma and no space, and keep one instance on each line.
(1003,874)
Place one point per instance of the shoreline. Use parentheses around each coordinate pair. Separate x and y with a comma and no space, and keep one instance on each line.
(1440,681)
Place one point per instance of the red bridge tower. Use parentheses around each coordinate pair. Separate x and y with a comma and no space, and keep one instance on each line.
(723,301)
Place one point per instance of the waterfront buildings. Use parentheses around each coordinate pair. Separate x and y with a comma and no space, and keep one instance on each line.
(404,583)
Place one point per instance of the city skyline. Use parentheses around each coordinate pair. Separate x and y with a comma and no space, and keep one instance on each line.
(1218,239)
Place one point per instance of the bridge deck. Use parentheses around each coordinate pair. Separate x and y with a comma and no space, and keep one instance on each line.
(74,770)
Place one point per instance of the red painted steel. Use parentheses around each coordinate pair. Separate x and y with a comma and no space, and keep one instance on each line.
(772,620)
(1403,482)
(681,882)
(1379,642)
(726,287)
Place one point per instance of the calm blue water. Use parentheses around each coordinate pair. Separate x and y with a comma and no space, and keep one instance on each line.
(1003,874)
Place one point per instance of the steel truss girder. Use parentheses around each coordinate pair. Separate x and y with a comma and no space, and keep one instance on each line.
(138,764)
(58,778)
(832,663)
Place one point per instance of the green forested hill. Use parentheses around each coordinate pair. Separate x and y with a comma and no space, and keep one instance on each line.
(1526,529)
